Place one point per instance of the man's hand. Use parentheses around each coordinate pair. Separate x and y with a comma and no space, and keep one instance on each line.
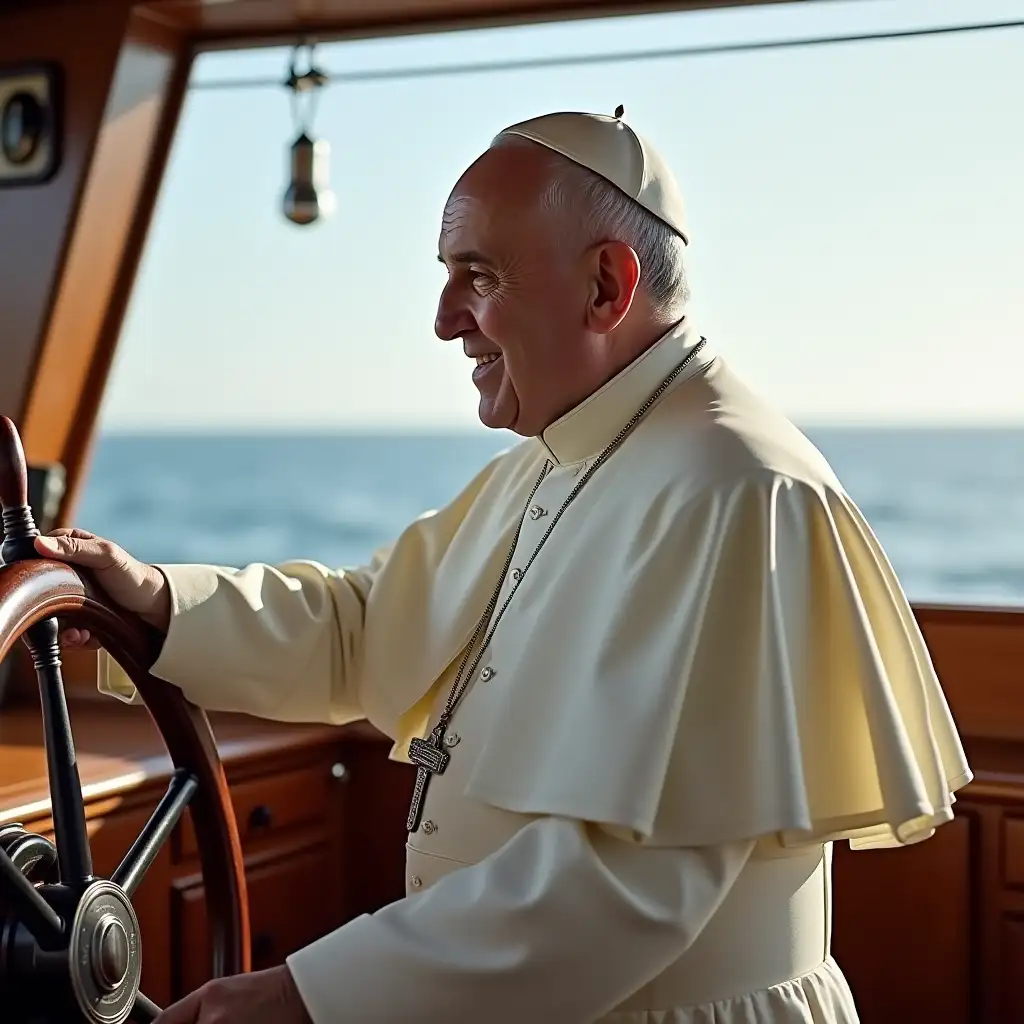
(132,584)
(265,997)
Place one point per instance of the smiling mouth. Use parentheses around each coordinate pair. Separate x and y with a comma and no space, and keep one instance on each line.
(486,368)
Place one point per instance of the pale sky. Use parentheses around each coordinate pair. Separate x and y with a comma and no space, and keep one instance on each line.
(857,213)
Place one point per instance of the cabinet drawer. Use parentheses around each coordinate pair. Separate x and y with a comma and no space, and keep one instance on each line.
(287,909)
(265,805)
(1013,851)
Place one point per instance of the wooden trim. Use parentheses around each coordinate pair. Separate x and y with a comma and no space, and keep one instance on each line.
(106,239)
(69,248)
(79,442)
(237,24)
(36,221)
(979,658)
(935,616)
(242,24)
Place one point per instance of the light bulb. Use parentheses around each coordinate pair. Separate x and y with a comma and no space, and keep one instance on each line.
(308,196)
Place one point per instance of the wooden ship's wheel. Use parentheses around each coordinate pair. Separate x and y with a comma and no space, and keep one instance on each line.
(70,948)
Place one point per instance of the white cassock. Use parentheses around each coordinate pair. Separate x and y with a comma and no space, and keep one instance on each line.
(707,676)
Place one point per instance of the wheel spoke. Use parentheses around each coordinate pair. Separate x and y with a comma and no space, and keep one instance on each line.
(154,834)
(145,1010)
(70,834)
(29,907)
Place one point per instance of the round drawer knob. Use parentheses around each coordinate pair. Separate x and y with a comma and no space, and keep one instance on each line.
(263,946)
(260,817)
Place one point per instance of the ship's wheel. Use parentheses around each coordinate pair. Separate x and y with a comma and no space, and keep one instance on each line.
(70,948)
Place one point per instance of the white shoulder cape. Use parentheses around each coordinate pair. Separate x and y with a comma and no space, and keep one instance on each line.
(759,673)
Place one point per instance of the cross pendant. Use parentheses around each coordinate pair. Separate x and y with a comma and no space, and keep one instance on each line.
(430,758)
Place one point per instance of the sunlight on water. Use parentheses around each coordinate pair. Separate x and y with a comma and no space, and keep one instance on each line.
(947,505)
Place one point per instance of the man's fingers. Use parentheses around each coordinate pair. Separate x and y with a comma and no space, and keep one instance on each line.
(79,548)
(186,1011)
(77,638)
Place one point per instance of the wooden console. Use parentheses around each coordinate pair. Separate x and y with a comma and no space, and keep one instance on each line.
(935,933)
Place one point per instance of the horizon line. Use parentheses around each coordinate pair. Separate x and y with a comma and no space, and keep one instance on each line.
(373,430)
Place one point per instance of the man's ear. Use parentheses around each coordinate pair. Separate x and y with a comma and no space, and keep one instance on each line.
(614,278)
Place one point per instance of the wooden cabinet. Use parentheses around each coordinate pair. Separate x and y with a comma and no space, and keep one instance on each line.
(268,805)
(287,903)
(1013,850)
(1012,967)
(899,915)
(935,932)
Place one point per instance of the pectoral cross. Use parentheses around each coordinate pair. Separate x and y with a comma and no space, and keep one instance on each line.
(430,758)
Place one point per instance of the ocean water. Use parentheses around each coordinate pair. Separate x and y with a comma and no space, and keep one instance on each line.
(948,505)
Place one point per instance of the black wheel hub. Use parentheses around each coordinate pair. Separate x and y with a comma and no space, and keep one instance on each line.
(96,972)
(104,955)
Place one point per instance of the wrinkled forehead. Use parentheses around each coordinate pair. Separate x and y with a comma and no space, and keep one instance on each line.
(498,198)
(471,219)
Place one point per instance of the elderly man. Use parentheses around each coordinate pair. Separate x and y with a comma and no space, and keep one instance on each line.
(650,664)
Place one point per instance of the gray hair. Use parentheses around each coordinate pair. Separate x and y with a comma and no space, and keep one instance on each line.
(606,213)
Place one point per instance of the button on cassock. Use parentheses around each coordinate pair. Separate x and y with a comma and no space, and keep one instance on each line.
(536,512)
(486,673)
(415,881)
(429,827)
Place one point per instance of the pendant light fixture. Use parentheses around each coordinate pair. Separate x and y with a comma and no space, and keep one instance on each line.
(308,196)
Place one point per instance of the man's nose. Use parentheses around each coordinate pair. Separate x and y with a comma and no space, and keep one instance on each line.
(453,319)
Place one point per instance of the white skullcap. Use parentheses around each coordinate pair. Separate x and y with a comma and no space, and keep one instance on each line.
(610,148)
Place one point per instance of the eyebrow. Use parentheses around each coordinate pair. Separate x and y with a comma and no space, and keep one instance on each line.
(469,256)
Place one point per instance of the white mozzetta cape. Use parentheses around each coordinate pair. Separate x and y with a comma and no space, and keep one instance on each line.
(710,647)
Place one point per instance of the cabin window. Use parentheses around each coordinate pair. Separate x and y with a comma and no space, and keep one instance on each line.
(856,212)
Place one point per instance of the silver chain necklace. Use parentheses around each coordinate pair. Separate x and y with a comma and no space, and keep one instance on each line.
(429,755)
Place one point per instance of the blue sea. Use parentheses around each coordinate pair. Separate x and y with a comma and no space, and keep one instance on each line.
(948,505)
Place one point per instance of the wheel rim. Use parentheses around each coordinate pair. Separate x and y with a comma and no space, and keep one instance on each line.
(78,938)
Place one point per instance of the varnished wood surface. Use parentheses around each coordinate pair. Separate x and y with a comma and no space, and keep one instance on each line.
(932,932)
(121,753)
(242,22)
(918,904)
(979,657)
(84,40)
(69,248)
(104,246)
